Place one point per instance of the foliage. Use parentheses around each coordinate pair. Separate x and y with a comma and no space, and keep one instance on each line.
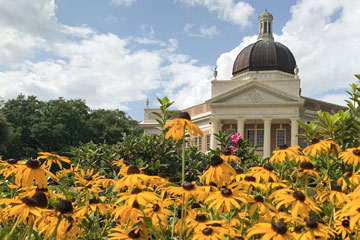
(30,125)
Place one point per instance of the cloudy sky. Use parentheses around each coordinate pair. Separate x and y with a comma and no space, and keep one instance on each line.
(116,53)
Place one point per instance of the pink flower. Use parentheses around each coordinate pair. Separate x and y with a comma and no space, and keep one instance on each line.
(235,138)
(233,149)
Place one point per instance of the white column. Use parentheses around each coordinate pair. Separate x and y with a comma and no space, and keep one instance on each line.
(215,127)
(267,137)
(240,126)
(294,131)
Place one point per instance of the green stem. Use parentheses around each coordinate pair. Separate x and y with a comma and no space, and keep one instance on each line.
(30,230)
(13,229)
(306,184)
(183,220)
(53,234)
(282,170)
(173,222)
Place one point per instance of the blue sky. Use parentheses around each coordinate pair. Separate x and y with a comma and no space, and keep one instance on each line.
(116,53)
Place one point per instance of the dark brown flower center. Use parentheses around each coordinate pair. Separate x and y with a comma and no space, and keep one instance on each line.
(259,199)
(214,224)
(283,147)
(356,152)
(250,179)
(183,115)
(162,175)
(226,192)
(315,141)
(279,227)
(201,218)
(41,199)
(64,206)
(345,223)
(306,165)
(311,222)
(188,186)
(172,179)
(29,201)
(207,231)
(94,201)
(299,196)
(268,167)
(33,163)
(195,205)
(237,238)
(156,207)
(133,170)
(239,170)
(298,229)
(134,235)
(135,205)
(227,152)
(336,188)
(42,189)
(136,191)
(213,184)
(216,160)
(88,177)
(12,161)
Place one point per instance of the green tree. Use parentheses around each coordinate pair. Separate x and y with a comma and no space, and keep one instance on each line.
(110,125)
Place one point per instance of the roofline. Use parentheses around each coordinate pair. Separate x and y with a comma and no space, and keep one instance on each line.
(313,99)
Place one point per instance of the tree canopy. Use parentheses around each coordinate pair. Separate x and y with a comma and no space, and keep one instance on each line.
(28,125)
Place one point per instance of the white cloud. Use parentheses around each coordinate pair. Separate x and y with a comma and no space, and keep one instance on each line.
(123,2)
(326,49)
(105,70)
(228,10)
(203,31)
(335,98)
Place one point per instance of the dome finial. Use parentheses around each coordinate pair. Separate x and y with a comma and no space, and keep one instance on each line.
(265,26)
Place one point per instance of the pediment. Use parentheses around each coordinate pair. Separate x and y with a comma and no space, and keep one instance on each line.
(254,93)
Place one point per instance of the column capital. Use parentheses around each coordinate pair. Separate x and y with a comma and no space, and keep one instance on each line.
(294,119)
(267,119)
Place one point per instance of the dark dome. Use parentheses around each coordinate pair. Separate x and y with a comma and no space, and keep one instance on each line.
(265,55)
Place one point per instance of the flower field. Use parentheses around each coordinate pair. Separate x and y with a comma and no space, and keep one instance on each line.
(296,194)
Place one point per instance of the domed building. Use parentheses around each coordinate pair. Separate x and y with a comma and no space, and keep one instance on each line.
(262,101)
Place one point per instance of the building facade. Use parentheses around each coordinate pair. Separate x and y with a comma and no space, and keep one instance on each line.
(262,101)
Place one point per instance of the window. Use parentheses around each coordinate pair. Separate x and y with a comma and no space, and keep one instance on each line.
(198,142)
(280,137)
(255,137)
(208,142)
(231,131)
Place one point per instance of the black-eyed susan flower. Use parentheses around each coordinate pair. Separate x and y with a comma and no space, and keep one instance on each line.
(228,156)
(334,195)
(342,226)
(271,231)
(188,189)
(181,122)
(133,178)
(69,229)
(158,213)
(284,153)
(351,156)
(317,147)
(333,147)
(128,214)
(219,172)
(353,179)
(306,168)
(209,233)
(22,208)
(300,204)
(226,200)
(137,194)
(119,233)
(301,158)
(265,173)
(9,166)
(266,210)
(93,205)
(86,177)
(32,171)
(314,229)
(199,222)
(248,183)
(51,158)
